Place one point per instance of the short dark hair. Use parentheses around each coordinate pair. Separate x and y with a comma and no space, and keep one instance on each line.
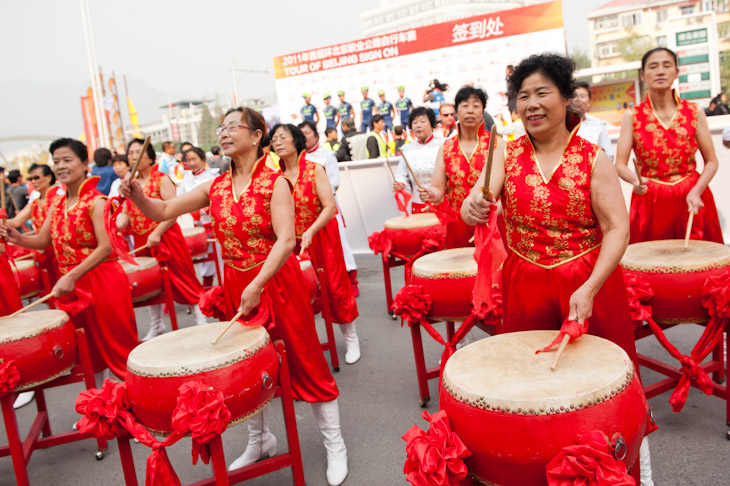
(329,130)
(47,171)
(559,69)
(184,144)
(167,144)
(312,126)
(420,111)
(648,54)
(120,158)
(102,157)
(14,176)
(300,142)
(78,147)
(585,85)
(467,92)
(398,130)
(197,151)
(215,150)
(375,119)
(150,149)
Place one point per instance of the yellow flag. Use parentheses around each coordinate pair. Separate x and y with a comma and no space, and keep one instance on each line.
(133,121)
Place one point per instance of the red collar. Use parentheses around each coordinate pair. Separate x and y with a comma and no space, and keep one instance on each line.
(424,143)
(313,150)
(199,172)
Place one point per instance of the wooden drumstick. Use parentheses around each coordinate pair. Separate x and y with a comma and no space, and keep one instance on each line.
(413,174)
(486,192)
(689,228)
(387,164)
(146,245)
(133,174)
(563,344)
(33,304)
(24,257)
(211,240)
(2,193)
(638,170)
(230,324)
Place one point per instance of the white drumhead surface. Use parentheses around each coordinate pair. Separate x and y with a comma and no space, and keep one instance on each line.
(187,232)
(144,263)
(190,350)
(670,256)
(420,220)
(457,262)
(503,372)
(22,265)
(29,324)
(305,264)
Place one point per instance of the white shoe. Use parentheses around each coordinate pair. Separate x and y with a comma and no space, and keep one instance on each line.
(75,426)
(645,461)
(327,415)
(23,399)
(157,327)
(352,343)
(261,442)
(199,316)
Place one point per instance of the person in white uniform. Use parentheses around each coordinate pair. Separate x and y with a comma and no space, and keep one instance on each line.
(591,128)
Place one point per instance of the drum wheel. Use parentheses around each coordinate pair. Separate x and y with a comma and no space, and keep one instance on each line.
(425,401)
(393,316)
(99,455)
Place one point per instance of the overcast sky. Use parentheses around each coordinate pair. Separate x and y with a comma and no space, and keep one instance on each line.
(168,49)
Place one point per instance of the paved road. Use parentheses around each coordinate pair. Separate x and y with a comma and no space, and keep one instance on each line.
(378,403)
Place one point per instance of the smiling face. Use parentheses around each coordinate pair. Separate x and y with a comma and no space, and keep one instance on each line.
(470,113)
(283,143)
(660,70)
(541,106)
(69,168)
(237,138)
(421,128)
(193,161)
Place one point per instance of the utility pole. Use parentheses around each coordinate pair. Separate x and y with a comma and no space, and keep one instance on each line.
(93,69)
(234,70)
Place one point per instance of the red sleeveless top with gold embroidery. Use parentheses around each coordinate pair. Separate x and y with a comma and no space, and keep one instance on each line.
(666,154)
(462,172)
(72,232)
(307,205)
(243,224)
(39,208)
(138,222)
(549,220)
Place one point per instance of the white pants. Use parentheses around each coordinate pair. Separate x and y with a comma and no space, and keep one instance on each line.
(346,251)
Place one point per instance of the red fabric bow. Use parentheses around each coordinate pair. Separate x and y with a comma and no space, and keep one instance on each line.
(103,410)
(9,377)
(412,304)
(434,239)
(75,302)
(3,213)
(436,457)
(489,254)
(639,292)
(402,198)
(571,328)
(716,296)
(213,303)
(110,226)
(443,212)
(588,463)
(380,243)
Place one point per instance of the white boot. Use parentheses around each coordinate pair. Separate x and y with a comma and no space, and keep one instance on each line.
(327,415)
(23,399)
(352,343)
(645,461)
(199,316)
(157,327)
(261,442)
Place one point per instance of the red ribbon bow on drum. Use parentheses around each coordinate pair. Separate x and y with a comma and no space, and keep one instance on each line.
(412,304)
(380,243)
(9,377)
(436,457)
(569,328)
(443,212)
(588,463)
(110,226)
(213,303)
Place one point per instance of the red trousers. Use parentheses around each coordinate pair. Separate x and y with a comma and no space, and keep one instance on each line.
(9,296)
(293,323)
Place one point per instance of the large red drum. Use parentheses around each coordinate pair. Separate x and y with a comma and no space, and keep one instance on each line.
(41,344)
(29,277)
(310,277)
(514,414)
(145,279)
(677,274)
(197,240)
(448,277)
(243,365)
(407,232)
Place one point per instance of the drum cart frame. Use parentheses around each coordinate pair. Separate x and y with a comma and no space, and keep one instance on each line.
(164,298)
(323,276)
(20,449)
(391,261)
(222,477)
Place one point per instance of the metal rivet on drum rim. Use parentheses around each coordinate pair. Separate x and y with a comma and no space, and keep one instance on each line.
(267,382)
(58,352)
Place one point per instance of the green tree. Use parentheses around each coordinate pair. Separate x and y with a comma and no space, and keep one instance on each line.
(206,130)
(580,57)
(632,46)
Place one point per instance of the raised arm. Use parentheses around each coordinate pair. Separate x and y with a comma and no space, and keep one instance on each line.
(327,199)
(161,210)
(20,218)
(39,241)
(475,209)
(167,192)
(707,149)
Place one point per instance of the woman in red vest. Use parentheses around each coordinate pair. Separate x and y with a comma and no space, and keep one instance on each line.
(665,133)
(9,297)
(253,219)
(314,211)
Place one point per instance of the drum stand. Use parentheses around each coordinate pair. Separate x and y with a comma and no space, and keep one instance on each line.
(164,298)
(222,477)
(21,450)
(389,262)
(323,276)
(212,256)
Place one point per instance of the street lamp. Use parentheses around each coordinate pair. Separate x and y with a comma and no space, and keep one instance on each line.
(234,70)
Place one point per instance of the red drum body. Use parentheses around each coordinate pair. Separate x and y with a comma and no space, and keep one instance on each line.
(41,345)
(515,415)
(407,232)
(448,277)
(145,279)
(197,240)
(676,275)
(310,277)
(29,277)
(243,365)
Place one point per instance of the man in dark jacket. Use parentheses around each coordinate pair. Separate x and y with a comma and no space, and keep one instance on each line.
(344,153)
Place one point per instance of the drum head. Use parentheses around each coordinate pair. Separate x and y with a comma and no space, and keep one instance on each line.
(29,324)
(189,351)
(420,220)
(22,265)
(144,263)
(188,232)
(670,256)
(305,264)
(504,373)
(458,262)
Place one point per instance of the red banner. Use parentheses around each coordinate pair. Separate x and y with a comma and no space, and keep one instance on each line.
(534,18)
(89,116)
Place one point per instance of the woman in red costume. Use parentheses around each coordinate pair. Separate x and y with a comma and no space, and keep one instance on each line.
(253,219)
(566,226)
(314,210)
(665,132)
(456,172)
(75,228)
(9,297)
(44,182)
(165,240)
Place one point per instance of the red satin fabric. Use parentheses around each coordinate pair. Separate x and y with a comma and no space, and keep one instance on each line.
(9,296)
(343,307)
(46,259)
(661,213)
(9,377)
(294,324)
(174,252)
(109,322)
(536,298)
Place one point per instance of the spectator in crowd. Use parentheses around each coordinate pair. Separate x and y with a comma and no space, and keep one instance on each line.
(218,162)
(120,164)
(447,114)
(726,137)
(103,169)
(591,128)
(331,143)
(398,141)
(167,158)
(720,105)
(17,191)
(375,144)
(344,153)
(434,95)
(512,130)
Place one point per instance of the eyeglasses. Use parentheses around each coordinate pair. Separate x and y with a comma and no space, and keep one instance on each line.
(230,128)
(33,178)
(447,114)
